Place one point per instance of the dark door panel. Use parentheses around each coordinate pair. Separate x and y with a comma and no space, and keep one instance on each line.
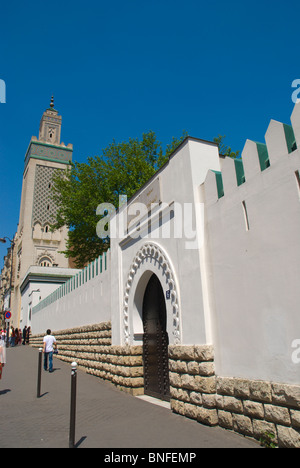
(156,341)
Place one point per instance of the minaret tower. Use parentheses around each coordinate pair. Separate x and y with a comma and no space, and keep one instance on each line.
(36,244)
(50,126)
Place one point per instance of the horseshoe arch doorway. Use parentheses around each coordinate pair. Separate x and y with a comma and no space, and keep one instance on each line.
(155,341)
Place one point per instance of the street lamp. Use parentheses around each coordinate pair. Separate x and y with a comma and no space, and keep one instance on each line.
(2,239)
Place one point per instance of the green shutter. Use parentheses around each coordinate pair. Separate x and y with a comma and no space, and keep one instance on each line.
(239,170)
(290,138)
(263,156)
(219,182)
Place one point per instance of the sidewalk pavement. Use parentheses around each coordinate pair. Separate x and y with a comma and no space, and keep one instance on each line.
(106,417)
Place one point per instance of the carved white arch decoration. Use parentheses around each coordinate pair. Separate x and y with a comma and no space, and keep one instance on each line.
(151,251)
(45,254)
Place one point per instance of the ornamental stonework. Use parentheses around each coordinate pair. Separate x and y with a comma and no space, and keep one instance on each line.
(44,208)
(153,252)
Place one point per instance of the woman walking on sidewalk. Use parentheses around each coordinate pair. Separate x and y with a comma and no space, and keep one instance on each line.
(2,354)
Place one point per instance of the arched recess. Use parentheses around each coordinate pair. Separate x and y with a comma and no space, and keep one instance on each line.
(45,262)
(148,260)
(45,259)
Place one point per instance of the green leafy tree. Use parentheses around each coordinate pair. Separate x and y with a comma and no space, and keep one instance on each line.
(121,169)
(225,150)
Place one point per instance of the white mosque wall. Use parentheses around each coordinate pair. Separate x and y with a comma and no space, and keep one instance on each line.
(253,234)
(81,301)
(238,289)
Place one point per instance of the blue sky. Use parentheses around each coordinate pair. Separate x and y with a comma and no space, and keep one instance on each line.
(121,68)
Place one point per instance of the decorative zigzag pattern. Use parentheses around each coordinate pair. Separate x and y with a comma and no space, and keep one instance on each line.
(280,140)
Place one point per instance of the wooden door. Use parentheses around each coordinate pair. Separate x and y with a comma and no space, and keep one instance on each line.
(156,341)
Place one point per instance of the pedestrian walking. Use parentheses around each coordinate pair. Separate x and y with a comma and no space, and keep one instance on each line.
(2,354)
(4,335)
(28,335)
(20,336)
(12,337)
(24,335)
(16,337)
(48,350)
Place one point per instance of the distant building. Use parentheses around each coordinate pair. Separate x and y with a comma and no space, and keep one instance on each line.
(7,283)
(39,283)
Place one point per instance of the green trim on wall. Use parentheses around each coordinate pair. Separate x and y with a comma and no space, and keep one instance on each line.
(45,152)
(48,159)
(219,182)
(290,138)
(240,172)
(263,155)
(75,282)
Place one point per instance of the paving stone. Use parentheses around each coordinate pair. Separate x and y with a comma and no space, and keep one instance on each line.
(105,418)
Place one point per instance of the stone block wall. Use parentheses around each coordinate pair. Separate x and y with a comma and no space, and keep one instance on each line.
(254,408)
(91,348)
(193,383)
(250,407)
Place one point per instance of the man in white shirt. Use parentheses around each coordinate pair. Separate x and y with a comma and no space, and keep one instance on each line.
(49,344)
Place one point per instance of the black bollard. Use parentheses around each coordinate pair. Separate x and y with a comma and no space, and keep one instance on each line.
(39,373)
(73,405)
(7,334)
